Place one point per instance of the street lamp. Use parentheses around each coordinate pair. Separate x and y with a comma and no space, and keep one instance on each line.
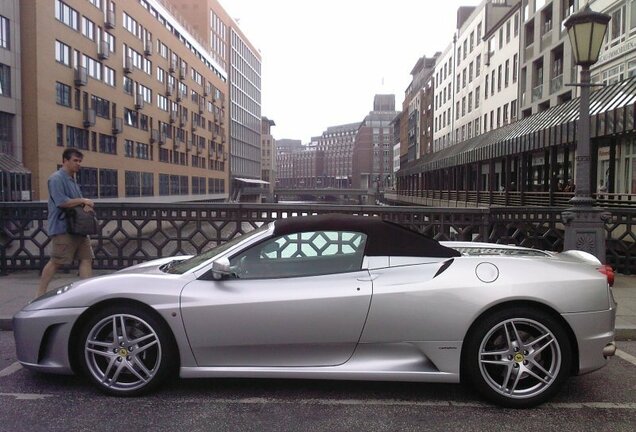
(584,223)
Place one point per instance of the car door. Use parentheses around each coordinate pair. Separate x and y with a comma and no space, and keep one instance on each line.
(296,300)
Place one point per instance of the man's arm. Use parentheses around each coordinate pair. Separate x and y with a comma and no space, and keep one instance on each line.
(62,200)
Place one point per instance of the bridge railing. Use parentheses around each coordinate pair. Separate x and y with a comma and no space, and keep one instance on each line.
(131,233)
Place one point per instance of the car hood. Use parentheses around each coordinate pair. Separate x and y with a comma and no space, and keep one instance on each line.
(152,266)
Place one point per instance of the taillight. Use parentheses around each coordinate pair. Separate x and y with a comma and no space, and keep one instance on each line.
(608,271)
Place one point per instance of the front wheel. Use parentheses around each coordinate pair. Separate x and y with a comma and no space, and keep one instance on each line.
(518,357)
(126,351)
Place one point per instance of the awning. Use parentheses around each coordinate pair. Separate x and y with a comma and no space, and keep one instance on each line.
(251,181)
(9,164)
(612,111)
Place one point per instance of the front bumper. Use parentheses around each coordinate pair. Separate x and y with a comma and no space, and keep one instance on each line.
(42,338)
(594,331)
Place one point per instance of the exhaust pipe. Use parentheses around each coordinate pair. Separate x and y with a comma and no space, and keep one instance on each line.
(609,350)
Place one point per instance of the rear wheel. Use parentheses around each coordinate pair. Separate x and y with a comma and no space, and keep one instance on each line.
(126,351)
(518,357)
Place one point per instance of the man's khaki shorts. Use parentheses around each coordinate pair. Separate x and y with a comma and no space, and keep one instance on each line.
(67,247)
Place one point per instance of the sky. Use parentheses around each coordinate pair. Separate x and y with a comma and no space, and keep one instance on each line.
(323,61)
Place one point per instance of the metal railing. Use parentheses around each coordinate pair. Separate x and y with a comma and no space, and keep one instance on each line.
(134,233)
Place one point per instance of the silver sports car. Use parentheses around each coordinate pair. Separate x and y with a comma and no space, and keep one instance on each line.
(333,297)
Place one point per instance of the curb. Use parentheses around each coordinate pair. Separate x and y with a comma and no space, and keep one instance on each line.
(622,333)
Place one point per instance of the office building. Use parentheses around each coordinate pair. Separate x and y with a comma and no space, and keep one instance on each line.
(236,54)
(15,179)
(129,85)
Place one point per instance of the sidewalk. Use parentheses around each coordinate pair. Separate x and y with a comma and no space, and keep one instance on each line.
(16,289)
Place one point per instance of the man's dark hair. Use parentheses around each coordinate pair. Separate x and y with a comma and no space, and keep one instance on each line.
(70,152)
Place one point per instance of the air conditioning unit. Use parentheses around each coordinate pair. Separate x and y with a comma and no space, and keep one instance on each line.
(103,50)
(154,136)
(81,76)
(89,117)
(148,46)
(118,125)
(139,101)
(128,65)
(109,19)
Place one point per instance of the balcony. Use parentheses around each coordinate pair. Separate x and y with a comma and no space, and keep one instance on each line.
(89,117)
(556,84)
(537,92)
(81,76)
(529,52)
(546,40)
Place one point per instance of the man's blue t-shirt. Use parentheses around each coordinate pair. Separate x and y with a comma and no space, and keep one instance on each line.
(62,188)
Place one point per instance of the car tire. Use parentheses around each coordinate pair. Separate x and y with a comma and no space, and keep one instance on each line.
(518,357)
(126,350)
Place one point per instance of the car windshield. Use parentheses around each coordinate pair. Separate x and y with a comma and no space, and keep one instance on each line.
(190,263)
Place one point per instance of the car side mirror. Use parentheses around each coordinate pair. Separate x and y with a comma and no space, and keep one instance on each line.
(221,268)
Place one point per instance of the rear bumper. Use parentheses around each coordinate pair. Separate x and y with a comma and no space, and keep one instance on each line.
(594,331)
(42,339)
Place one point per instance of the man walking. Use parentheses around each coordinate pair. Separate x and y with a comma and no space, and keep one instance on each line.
(64,192)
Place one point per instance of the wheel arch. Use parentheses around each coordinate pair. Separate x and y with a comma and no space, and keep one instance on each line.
(88,313)
(528,304)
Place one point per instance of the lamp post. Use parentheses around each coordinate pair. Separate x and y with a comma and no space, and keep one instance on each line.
(584,223)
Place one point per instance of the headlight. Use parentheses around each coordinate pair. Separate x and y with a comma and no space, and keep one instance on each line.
(53,293)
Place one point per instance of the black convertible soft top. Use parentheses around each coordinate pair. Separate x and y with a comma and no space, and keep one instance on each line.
(383,237)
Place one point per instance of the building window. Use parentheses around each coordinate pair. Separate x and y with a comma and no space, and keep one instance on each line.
(88,28)
(101,106)
(4,33)
(617,26)
(5,80)
(109,76)
(77,138)
(59,135)
(63,94)
(129,151)
(62,53)
(107,183)
(107,144)
(67,15)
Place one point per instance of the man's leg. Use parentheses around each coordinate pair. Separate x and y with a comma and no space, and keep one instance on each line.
(86,268)
(48,272)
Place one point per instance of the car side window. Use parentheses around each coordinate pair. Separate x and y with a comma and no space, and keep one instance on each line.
(301,254)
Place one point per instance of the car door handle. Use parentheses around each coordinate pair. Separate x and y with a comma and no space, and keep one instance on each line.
(369,278)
